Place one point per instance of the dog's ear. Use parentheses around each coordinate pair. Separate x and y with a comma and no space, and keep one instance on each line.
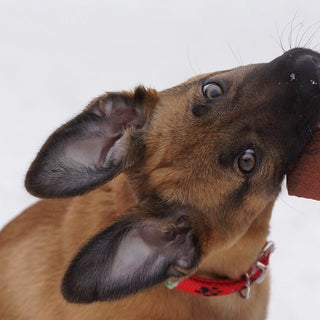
(133,254)
(105,139)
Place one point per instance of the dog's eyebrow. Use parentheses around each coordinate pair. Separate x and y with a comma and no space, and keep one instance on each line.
(196,80)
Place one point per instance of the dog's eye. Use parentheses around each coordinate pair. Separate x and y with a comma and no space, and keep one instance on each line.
(212,90)
(247,161)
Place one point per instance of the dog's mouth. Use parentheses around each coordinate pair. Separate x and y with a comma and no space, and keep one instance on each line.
(302,178)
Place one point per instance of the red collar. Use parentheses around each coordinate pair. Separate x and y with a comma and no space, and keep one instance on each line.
(211,287)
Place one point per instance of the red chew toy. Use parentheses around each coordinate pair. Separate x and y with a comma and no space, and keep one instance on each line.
(304,179)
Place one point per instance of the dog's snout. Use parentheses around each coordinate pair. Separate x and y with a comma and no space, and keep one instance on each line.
(300,68)
(308,65)
(308,59)
(304,72)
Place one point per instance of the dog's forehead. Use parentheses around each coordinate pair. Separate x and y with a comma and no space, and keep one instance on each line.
(173,108)
(234,75)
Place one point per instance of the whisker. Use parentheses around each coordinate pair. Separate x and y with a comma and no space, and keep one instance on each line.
(316,46)
(285,29)
(300,26)
(306,32)
(311,38)
(291,31)
(195,62)
(233,53)
(189,61)
(240,57)
(279,42)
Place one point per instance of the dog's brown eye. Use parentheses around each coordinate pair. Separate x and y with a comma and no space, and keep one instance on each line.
(247,161)
(212,90)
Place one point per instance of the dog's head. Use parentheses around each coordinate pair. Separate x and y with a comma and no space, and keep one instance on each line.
(212,151)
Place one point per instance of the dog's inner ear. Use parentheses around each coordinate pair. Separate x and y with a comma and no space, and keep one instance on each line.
(129,256)
(102,141)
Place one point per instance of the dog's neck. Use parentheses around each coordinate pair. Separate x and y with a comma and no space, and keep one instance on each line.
(232,262)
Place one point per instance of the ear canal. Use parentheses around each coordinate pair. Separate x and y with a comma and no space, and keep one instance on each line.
(92,148)
(129,256)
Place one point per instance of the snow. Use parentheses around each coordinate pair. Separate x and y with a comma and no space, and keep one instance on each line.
(55,56)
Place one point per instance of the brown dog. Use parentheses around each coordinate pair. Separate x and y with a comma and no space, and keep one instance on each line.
(201,163)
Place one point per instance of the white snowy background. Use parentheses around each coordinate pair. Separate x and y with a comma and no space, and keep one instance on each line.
(57,55)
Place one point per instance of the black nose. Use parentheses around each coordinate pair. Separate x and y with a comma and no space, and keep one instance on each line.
(304,71)
(308,66)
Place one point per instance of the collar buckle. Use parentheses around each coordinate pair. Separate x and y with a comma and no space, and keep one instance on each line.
(264,270)
(245,292)
(267,250)
(219,287)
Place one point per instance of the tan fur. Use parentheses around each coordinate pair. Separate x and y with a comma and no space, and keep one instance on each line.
(38,246)
(46,236)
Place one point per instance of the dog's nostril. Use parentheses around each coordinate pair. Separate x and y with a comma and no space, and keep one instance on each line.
(308,63)
(306,74)
(316,61)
